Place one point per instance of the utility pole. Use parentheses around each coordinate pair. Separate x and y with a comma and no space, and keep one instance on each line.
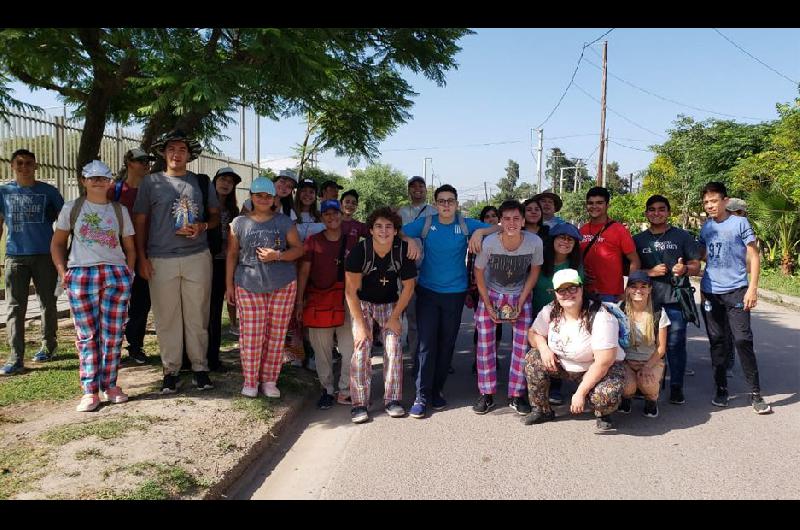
(539,160)
(605,157)
(258,141)
(575,180)
(600,158)
(241,133)
(630,185)
(485,191)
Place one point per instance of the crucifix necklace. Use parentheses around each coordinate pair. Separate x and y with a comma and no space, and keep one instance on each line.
(384,281)
(278,242)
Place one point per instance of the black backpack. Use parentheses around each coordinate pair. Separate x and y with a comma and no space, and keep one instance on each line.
(395,263)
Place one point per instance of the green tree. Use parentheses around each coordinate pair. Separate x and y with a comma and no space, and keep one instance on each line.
(378,185)
(508,184)
(615,184)
(777,222)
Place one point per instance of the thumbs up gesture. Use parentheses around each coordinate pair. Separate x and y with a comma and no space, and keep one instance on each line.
(679,269)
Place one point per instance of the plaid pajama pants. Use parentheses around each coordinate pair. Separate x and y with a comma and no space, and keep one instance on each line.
(487,347)
(98,297)
(263,322)
(361,365)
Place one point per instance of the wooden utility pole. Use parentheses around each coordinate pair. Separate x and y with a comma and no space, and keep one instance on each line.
(485,191)
(601,158)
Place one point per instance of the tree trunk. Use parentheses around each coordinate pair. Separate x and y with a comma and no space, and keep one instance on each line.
(787,265)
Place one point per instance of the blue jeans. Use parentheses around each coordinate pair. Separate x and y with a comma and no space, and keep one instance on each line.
(676,344)
(438,323)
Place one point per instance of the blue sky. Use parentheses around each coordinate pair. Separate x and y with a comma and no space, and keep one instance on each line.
(510,79)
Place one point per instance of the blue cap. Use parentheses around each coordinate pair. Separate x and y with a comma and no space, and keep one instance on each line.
(639,276)
(262,185)
(330,204)
(568,229)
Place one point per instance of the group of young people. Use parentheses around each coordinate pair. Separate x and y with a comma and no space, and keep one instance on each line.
(301,266)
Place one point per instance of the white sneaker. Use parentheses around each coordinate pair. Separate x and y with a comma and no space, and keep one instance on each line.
(250,391)
(270,390)
(88,403)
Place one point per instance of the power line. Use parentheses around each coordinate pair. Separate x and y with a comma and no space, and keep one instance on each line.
(755,58)
(669,100)
(454,146)
(630,147)
(572,79)
(642,127)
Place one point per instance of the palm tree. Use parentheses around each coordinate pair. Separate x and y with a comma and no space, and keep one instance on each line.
(778,219)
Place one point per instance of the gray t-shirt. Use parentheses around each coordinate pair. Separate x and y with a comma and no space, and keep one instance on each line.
(410,213)
(643,352)
(251,274)
(171,202)
(505,271)
(95,240)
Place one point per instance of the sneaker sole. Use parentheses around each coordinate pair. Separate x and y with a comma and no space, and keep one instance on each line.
(675,402)
(169,390)
(767,411)
(360,419)
(417,416)
(624,411)
(395,414)
(650,415)
(440,407)
(488,409)
(721,405)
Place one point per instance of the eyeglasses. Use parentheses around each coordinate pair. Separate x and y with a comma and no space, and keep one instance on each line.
(446,202)
(563,291)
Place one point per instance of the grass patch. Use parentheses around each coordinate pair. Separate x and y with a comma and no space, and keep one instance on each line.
(258,409)
(9,419)
(162,482)
(85,454)
(56,380)
(103,429)
(292,381)
(774,280)
(185,401)
(21,466)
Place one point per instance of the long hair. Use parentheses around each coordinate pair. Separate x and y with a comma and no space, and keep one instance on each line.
(298,209)
(648,334)
(287,205)
(590,305)
(575,258)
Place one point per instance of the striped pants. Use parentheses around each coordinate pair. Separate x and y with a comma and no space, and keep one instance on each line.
(263,321)
(98,297)
(361,365)
(487,347)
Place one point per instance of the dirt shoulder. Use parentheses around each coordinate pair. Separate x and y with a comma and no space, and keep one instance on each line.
(193,444)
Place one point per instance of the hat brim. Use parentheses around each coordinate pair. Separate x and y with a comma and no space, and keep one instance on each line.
(556,199)
(236,178)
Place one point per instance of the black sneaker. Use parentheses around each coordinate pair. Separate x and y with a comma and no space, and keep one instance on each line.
(202,381)
(676,395)
(325,401)
(438,402)
(359,414)
(520,404)
(625,406)
(604,423)
(395,409)
(555,397)
(170,384)
(137,356)
(721,399)
(537,416)
(484,404)
(759,405)
(650,409)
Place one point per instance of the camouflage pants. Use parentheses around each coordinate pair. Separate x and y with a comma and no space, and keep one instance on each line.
(604,397)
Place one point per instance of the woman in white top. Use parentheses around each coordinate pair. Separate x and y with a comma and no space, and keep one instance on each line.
(644,357)
(97,276)
(575,338)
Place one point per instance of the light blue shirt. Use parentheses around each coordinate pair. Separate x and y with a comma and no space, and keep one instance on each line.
(444,267)
(29,213)
(726,254)
(556,220)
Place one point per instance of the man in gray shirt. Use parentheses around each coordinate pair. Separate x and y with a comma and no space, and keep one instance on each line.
(417,192)
(173,256)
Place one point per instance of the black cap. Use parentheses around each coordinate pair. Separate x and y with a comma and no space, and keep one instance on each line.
(307,183)
(331,183)
(415,178)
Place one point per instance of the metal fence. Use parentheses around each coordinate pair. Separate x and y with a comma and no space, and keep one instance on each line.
(55,142)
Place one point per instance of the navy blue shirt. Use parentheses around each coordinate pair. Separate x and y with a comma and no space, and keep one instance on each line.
(29,212)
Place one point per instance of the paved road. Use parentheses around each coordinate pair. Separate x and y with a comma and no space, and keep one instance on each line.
(689,451)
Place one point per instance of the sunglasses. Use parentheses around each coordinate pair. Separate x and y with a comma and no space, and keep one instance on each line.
(572,289)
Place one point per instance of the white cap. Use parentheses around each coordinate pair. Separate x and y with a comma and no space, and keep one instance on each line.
(96,168)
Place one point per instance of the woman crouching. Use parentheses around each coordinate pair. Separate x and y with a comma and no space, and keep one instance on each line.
(574,338)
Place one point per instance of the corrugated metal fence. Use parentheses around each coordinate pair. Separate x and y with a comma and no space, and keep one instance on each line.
(55,142)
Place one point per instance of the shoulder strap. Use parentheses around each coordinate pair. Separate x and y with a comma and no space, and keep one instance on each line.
(427,226)
(420,212)
(342,249)
(118,212)
(368,255)
(594,239)
(118,191)
(76,210)
(463,225)
(397,255)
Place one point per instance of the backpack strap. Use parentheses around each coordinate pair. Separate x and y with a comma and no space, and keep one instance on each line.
(427,226)
(203,180)
(463,224)
(596,236)
(118,212)
(369,254)
(118,190)
(75,212)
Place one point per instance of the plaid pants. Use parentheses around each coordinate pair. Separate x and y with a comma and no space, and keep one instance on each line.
(604,397)
(361,365)
(98,297)
(263,321)
(487,347)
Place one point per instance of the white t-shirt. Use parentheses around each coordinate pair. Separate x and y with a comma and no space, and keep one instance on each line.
(572,344)
(643,352)
(96,237)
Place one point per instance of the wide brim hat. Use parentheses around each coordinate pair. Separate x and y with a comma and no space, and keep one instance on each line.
(547,193)
(177,136)
(228,171)
(567,229)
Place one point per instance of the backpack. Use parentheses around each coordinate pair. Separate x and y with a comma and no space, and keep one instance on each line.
(395,263)
(75,212)
(213,235)
(624,332)
(118,190)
